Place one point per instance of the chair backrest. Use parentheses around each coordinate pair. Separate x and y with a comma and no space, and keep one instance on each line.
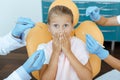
(37,35)
(89,27)
(40,34)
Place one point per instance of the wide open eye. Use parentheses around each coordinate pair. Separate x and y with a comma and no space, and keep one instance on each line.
(55,25)
(66,25)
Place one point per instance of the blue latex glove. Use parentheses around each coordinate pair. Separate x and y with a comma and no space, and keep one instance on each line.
(22,25)
(35,61)
(93,12)
(94,47)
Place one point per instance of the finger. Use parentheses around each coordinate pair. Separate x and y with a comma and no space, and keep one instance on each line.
(62,38)
(25,21)
(89,43)
(67,37)
(90,10)
(53,34)
(54,37)
(64,35)
(41,62)
(88,13)
(25,27)
(88,46)
(90,40)
(58,36)
(89,49)
(34,54)
(93,41)
(58,39)
(39,59)
(29,26)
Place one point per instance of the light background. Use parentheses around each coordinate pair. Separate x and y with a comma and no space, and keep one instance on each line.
(11,10)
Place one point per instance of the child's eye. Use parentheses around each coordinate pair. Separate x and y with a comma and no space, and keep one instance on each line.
(66,25)
(55,25)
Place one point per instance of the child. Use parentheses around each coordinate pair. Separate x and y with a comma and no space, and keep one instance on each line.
(66,56)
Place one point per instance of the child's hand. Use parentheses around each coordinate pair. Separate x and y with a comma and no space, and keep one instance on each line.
(56,44)
(65,43)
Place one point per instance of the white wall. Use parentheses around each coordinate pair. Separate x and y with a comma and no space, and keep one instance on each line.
(11,10)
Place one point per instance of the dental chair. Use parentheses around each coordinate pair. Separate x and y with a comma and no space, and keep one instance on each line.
(40,34)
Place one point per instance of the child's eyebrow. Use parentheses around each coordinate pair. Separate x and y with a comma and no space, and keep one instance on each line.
(54,23)
(67,23)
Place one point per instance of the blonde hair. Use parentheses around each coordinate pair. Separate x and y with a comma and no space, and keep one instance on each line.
(60,10)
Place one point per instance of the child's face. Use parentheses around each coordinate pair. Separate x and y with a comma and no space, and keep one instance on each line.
(60,24)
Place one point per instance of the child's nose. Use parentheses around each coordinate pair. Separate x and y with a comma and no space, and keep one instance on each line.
(61,30)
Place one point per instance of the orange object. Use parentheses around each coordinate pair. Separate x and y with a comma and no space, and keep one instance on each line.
(71,5)
(37,35)
(89,27)
(40,34)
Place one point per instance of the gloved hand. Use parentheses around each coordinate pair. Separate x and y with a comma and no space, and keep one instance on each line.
(22,25)
(35,61)
(95,48)
(93,12)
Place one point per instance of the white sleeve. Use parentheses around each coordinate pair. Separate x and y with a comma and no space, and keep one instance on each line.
(118,19)
(19,74)
(9,43)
